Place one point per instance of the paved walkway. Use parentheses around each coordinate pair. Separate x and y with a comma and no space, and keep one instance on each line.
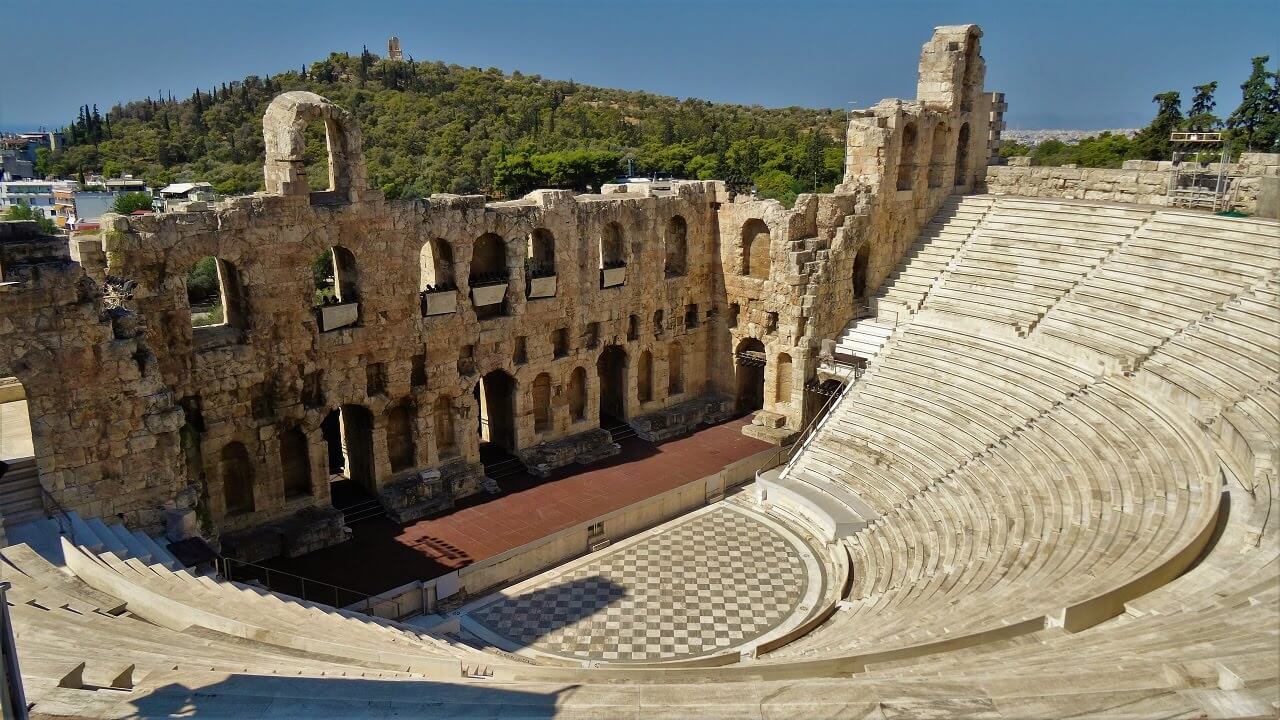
(382,555)
(708,583)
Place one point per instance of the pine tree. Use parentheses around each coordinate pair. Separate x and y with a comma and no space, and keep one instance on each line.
(1256,123)
(1200,116)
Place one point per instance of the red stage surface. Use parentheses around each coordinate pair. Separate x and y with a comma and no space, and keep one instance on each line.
(382,555)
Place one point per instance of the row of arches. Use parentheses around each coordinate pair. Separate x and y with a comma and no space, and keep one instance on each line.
(938,146)
(214,293)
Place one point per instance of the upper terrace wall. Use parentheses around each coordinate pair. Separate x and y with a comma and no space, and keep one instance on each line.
(1139,181)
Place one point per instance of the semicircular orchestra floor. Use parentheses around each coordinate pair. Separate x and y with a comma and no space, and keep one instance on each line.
(714,581)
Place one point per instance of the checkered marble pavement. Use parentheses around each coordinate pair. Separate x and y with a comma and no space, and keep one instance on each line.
(704,586)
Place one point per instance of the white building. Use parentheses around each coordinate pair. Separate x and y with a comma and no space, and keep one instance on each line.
(35,193)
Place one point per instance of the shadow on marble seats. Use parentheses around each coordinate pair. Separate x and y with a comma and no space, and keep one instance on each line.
(245,696)
(527,617)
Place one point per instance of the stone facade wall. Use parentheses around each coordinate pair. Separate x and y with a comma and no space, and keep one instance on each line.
(137,412)
(1142,182)
(903,159)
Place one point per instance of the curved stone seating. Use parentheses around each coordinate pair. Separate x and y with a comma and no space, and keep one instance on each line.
(925,262)
(1178,268)
(1028,253)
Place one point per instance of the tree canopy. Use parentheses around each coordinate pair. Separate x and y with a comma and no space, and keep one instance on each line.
(128,202)
(431,127)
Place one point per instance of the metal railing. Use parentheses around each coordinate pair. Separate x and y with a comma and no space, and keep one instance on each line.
(312,590)
(60,516)
(784,455)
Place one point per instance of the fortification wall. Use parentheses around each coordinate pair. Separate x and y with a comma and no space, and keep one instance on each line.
(1139,181)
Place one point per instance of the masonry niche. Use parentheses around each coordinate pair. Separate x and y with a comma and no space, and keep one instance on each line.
(237,474)
(613,256)
(578,395)
(938,156)
(295,463)
(489,276)
(962,156)
(755,249)
(436,287)
(337,289)
(540,266)
(907,157)
(677,250)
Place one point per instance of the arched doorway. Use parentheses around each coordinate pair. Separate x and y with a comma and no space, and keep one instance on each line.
(237,478)
(756,250)
(496,395)
(611,368)
(860,271)
(907,157)
(750,362)
(348,434)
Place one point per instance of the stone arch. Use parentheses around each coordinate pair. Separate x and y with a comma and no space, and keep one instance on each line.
(488,259)
(860,262)
(907,157)
(962,156)
(578,394)
(542,403)
(938,156)
(750,363)
(783,382)
(295,462)
(214,295)
(756,251)
(542,253)
(435,264)
(495,395)
(236,471)
(613,246)
(675,369)
(644,377)
(284,134)
(611,367)
(348,434)
(442,419)
(401,449)
(677,247)
(336,276)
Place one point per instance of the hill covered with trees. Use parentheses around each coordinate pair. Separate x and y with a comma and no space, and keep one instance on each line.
(431,127)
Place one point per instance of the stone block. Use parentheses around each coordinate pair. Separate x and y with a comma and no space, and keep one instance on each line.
(416,496)
(583,448)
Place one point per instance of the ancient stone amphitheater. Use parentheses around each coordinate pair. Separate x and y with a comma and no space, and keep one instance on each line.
(1039,479)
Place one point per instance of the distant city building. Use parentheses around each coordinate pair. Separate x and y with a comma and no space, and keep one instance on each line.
(172,195)
(14,167)
(34,193)
(1035,137)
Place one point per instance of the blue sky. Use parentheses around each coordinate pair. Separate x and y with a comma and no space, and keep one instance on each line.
(1079,64)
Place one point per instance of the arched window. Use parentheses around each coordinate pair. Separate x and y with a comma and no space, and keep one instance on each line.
(578,394)
(237,478)
(907,157)
(400,446)
(489,260)
(542,253)
(755,249)
(784,379)
(335,276)
(213,292)
(644,377)
(542,403)
(435,265)
(295,462)
(962,156)
(938,156)
(675,369)
(442,418)
(613,248)
(676,246)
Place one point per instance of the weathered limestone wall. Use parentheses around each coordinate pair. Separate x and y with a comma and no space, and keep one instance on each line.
(903,159)
(696,300)
(1139,181)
